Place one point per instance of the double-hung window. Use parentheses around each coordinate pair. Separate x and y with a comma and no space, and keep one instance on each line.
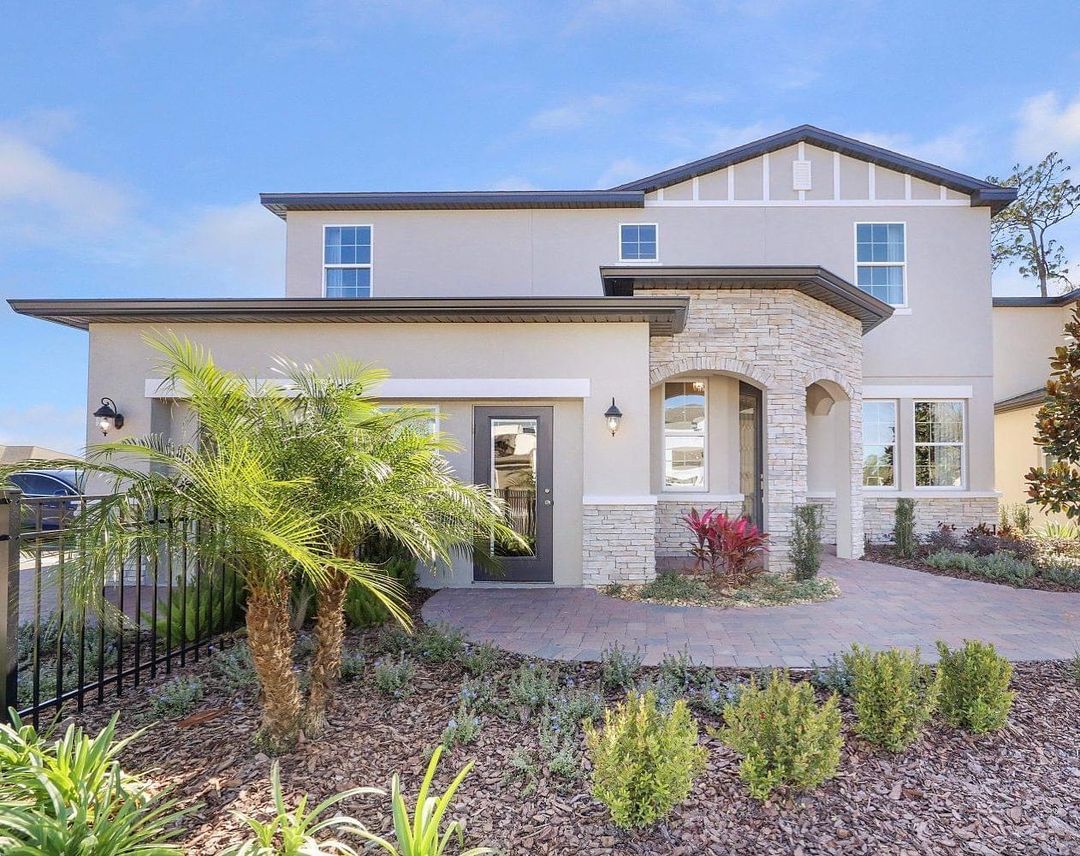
(638,242)
(347,261)
(879,443)
(685,408)
(881,261)
(939,443)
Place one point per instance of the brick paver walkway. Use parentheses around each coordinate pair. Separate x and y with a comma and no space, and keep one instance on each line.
(881,606)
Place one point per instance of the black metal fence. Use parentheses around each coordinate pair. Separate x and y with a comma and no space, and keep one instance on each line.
(163,609)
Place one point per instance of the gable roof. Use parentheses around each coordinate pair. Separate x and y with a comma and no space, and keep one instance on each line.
(981,192)
(1060,300)
(1019,402)
(632,194)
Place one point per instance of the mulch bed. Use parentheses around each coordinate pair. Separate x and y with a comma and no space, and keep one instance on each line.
(886,555)
(1014,792)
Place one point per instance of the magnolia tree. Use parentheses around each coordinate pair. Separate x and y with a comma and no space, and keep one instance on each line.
(1056,487)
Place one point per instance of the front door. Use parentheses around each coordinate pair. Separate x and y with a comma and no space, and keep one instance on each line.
(751,459)
(512,454)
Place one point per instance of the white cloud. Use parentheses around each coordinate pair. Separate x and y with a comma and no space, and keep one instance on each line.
(952,149)
(61,429)
(1048,124)
(514,182)
(622,171)
(577,113)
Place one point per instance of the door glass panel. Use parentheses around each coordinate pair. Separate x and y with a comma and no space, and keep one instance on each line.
(750,454)
(513,479)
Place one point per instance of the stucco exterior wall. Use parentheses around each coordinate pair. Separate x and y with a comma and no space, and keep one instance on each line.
(1024,340)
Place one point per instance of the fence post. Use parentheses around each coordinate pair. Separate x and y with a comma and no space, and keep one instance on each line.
(10,527)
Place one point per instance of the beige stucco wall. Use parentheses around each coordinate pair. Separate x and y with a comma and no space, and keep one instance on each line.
(1024,340)
(1016,453)
(588,461)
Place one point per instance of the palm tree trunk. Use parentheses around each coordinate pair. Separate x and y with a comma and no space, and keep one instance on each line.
(271,643)
(329,633)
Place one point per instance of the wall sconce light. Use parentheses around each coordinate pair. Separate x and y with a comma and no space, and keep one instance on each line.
(613,415)
(108,417)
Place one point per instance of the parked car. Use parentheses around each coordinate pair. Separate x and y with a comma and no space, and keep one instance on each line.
(62,489)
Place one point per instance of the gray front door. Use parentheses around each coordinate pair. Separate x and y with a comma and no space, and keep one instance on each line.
(512,454)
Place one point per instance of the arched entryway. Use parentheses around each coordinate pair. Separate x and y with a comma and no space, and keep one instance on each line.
(829,460)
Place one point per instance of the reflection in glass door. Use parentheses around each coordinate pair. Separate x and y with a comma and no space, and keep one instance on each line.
(751,458)
(512,454)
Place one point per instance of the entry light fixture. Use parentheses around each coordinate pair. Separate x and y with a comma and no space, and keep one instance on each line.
(108,416)
(613,415)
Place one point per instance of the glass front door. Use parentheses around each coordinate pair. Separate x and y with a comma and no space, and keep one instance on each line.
(513,457)
(751,458)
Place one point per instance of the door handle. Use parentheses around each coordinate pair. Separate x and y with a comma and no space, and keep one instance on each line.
(547,502)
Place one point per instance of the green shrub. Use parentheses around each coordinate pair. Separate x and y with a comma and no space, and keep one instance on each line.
(479,694)
(666,689)
(1005,566)
(1062,574)
(571,707)
(440,643)
(805,548)
(480,659)
(834,676)
(214,604)
(715,694)
(952,560)
(71,796)
(363,609)
(352,665)
(294,833)
(393,676)
(395,639)
(894,695)
(644,760)
(532,686)
(975,691)
(680,670)
(904,529)
(674,587)
(463,728)
(233,668)
(619,666)
(785,738)
(176,698)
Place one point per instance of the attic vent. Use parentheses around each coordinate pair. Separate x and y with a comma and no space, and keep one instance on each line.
(800,175)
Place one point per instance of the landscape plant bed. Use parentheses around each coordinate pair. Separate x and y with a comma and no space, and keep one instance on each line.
(886,554)
(684,589)
(1012,791)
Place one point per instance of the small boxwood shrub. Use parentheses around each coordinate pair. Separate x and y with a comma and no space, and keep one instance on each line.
(784,736)
(975,691)
(904,529)
(805,550)
(951,560)
(644,760)
(894,695)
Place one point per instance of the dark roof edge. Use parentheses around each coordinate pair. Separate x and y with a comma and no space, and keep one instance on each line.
(982,192)
(1022,401)
(1059,300)
(842,294)
(281,203)
(664,314)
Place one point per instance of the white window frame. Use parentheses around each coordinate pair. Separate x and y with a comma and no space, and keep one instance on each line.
(895,486)
(704,487)
(370,265)
(654,261)
(915,444)
(855,251)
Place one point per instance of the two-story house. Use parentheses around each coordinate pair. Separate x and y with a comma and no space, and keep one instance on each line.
(802,318)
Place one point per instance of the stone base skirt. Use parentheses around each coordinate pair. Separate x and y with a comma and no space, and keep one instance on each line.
(672,537)
(618,544)
(963,512)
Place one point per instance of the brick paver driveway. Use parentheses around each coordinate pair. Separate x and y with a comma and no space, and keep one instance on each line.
(881,606)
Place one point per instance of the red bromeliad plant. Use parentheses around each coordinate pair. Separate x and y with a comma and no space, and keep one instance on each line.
(728,544)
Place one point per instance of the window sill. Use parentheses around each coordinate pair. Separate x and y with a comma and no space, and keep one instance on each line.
(671,495)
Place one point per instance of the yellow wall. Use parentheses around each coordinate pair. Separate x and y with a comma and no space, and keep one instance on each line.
(1015,454)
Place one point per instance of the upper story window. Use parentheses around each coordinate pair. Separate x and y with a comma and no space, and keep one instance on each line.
(881,261)
(637,242)
(939,443)
(879,443)
(685,407)
(347,261)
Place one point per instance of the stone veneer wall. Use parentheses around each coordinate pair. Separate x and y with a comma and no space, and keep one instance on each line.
(828,517)
(783,341)
(963,512)
(618,544)
(672,536)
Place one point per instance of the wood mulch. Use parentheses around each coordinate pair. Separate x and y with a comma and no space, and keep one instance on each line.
(886,555)
(1013,792)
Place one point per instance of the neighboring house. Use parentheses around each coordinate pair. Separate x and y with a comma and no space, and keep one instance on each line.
(1026,332)
(15,454)
(802,318)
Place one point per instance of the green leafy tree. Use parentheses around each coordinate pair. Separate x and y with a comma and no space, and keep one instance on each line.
(1056,487)
(1045,198)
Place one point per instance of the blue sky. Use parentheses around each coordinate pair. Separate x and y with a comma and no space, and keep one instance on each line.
(135,137)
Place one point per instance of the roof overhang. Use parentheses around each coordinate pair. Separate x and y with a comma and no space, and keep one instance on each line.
(816,282)
(282,203)
(1035,398)
(1059,300)
(664,315)
(981,192)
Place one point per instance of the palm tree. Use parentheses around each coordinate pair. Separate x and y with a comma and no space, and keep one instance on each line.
(373,473)
(250,515)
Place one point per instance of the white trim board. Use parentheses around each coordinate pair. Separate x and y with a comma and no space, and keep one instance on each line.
(438,388)
(921,391)
(618,500)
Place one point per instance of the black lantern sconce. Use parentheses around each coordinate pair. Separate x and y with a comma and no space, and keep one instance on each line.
(613,415)
(108,416)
